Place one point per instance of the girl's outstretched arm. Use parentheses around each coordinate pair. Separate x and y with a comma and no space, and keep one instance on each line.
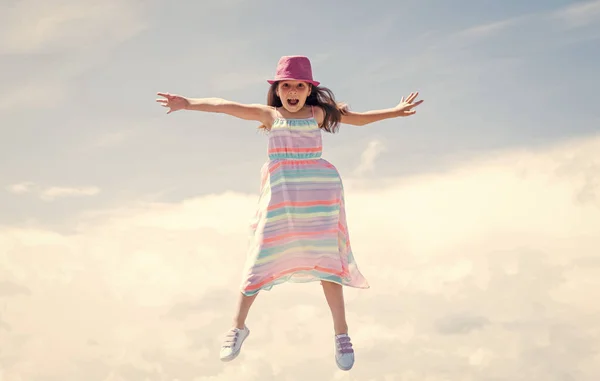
(404,108)
(257,112)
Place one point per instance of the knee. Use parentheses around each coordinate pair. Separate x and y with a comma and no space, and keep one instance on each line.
(330,284)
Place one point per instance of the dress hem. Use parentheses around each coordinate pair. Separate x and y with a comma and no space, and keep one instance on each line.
(305,276)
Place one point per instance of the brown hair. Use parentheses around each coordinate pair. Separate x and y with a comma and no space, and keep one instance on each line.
(319,96)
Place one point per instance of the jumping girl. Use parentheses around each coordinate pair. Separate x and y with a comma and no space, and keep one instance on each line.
(300,232)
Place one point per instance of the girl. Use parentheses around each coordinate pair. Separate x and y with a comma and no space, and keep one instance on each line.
(299,230)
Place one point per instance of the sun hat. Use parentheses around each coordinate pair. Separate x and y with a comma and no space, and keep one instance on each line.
(294,68)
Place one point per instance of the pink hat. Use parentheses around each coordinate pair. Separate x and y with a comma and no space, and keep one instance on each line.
(294,68)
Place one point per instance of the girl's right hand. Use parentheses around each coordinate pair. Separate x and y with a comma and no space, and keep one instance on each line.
(173,102)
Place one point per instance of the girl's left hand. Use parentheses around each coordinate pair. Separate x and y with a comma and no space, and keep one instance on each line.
(405,107)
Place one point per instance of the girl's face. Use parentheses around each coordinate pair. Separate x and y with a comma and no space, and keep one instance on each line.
(293,94)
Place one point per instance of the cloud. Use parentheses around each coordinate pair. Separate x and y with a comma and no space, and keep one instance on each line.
(571,16)
(36,26)
(495,46)
(460,324)
(482,31)
(20,188)
(11,289)
(48,43)
(559,22)
(485,271)
(53,192)
(579,15)
(368,157)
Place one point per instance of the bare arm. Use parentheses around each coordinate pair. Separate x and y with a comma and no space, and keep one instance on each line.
(257,112)
(404,108)
(363,118)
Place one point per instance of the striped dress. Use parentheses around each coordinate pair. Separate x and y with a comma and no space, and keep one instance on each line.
(299,231)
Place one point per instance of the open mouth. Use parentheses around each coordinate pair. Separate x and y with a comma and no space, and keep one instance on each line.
(292,101)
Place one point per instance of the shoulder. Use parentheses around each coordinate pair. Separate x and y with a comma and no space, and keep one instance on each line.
(269,114)
(319,114)
(266,109)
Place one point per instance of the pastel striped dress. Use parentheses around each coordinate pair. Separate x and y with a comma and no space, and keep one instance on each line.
(299,231)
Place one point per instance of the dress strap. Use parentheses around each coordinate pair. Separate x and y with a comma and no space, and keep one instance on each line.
(312,111)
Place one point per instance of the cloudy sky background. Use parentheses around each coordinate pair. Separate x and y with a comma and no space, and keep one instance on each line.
(477,222)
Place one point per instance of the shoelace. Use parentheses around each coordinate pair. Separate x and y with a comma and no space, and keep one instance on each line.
(344,345)
(231,338)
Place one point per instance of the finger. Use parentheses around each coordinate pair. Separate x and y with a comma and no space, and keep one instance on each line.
(411,97)
(162,100)
(166,95)
(409,106)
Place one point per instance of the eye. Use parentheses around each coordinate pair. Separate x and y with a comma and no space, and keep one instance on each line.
(301,85)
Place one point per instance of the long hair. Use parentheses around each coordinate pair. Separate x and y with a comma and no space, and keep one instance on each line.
(319,96)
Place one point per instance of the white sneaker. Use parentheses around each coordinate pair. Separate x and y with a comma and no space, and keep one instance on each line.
(344,353)
(233,343)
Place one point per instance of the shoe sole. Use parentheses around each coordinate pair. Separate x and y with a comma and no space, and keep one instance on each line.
(343,368)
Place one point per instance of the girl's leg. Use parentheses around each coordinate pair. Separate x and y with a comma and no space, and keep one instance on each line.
(344,354)
(234,338)
(335,298)
(244,304)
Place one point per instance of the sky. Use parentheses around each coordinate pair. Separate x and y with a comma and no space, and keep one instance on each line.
(476,221)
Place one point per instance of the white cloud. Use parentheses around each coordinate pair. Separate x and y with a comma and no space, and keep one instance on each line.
(571,16)
(574,15)
(466,52)
(486,271)
(368,157)
(483,31)
(579,15)
(53,192)
(70,37)
(20,188)
(35,26)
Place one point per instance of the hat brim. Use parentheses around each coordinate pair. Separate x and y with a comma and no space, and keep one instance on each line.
(314,83)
